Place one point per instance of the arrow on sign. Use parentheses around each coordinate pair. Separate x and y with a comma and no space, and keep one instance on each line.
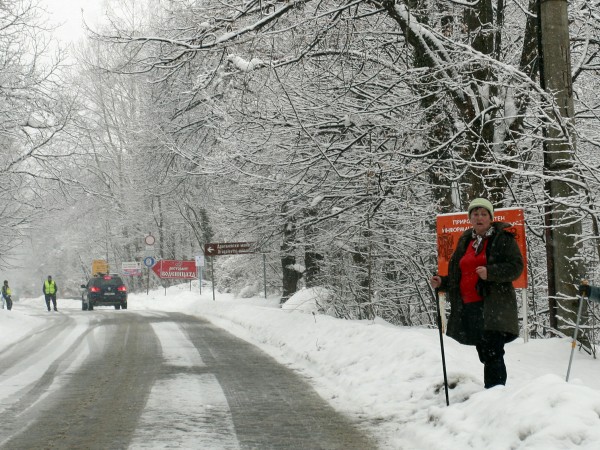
(175,269)
(157,268)
(229,248)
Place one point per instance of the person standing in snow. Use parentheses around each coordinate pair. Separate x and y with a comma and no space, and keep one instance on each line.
(49,289)
(479,288)
(6,296)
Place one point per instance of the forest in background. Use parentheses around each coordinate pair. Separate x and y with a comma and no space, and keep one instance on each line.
(331,133)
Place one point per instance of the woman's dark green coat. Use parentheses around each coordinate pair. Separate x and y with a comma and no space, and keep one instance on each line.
(504,265)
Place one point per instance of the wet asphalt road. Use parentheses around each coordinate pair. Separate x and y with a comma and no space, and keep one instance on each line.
(124,379)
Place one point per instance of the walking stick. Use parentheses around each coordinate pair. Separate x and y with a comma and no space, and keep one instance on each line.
(439,324)
(576,332)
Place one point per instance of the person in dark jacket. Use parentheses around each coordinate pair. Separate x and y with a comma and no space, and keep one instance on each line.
(483,302)
(6,296)
(49,289)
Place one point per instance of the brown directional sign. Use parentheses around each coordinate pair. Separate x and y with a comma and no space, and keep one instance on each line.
(229,248)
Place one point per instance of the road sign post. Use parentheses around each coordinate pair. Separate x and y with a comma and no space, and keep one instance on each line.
(149,261)
(265,272)
(231,248)
(200,279)
(212,273)
(199,264)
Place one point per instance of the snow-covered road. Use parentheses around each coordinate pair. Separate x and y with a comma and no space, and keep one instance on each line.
(151,379)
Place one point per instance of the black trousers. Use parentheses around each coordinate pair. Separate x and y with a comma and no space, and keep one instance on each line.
(50,297)
(489,344)
(491,353)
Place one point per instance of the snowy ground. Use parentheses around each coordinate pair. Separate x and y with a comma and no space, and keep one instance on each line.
(390,378)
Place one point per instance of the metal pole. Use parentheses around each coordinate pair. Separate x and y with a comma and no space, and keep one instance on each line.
(107,271)
(439,323)
(574,342)
(525,314)
(212,270)
(265,272)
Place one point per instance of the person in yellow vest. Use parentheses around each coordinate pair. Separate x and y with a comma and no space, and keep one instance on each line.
(49,290)
(6,296)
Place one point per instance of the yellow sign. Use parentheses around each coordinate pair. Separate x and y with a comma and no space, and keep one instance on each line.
(99,266)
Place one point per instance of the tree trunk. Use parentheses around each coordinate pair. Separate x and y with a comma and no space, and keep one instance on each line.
(563,228)
(312,261)
(363,293)
(312,258)
(290,276)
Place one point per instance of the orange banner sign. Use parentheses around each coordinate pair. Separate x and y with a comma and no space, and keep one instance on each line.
(451,226)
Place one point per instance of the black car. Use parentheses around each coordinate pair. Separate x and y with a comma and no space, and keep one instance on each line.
(104,290)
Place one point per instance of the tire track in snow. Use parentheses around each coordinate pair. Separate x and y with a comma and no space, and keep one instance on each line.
(188,406)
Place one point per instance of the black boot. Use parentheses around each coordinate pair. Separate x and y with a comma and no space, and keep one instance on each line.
(494,373)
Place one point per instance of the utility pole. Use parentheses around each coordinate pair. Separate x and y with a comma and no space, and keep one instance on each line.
(563,226)
(107,241)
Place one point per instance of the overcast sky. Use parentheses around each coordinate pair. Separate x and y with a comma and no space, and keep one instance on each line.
(69,14)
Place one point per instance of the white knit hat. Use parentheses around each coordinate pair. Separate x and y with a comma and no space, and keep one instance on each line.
(481,203)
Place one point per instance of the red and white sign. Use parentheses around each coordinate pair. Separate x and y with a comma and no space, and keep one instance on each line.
(169,268)
(131,269)
(229,248)
(451,226)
